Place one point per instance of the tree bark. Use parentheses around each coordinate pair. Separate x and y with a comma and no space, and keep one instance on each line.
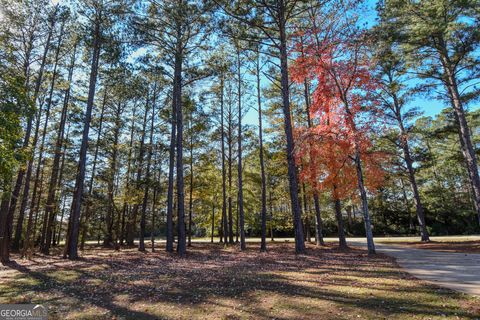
(30,214)
(237,221)
(413,182)
(181,245)
(342,242)
(213,222)
(131,227)
(40,192)
(72,240)
(240,168)
(190,200)
(230,161)
(26,190)
(108,240)
(8,204)
(271,213)
(4,250)
(59,232)
(85,215)
(263,243)
(60,182)
(224,171)
(60,176)
(141,246)
(171,166)
(318,218)
(308,237)
(464,130)
(48,218)
(409,162)
(154,204)
(318,221)
(292,171)
(363,197)
(128,173)
(220,230)
(361,185)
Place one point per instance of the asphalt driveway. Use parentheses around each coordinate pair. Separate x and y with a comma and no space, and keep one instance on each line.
(457,271)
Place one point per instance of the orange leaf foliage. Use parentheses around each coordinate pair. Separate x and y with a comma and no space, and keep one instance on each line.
(341,111)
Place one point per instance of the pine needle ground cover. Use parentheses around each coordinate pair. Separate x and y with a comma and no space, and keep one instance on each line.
(213,282)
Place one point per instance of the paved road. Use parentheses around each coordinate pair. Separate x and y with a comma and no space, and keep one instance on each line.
(457,271)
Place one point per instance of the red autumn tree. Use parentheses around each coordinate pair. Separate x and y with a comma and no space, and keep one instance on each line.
(336,153)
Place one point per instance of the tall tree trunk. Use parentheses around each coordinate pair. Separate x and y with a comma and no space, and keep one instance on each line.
(307,215)
(85,215)
(181,245)
(240,168)
(271,213)
(152,230)
(407,207)
(224,171)
(108,240)
(141,245)
(318,217)
(127,183)
(37,205)
(263,243)
(220,230)
(363,197)
(292,171)
(171,167)
(230,181)
(413,183)
(72,239)
(8,204)
(48,216)
(60,182)
(131,227)
(5,257)
(237,228)
(26,189)
(60,225)
(156,191)
(213,221)
(342,242)
(59,157)
(318,221)
(411,172)
(464,130)
(360,182)
(301,206)
(28,244)
(190,200)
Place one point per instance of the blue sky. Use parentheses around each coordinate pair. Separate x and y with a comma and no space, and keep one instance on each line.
(426,103)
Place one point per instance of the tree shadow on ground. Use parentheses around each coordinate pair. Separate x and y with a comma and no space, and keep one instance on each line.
(225,283)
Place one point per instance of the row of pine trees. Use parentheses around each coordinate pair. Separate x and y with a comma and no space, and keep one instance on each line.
(126,119)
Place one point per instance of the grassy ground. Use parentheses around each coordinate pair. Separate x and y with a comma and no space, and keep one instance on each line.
(216,283)
(432,238)
(463,244)
(444,246)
